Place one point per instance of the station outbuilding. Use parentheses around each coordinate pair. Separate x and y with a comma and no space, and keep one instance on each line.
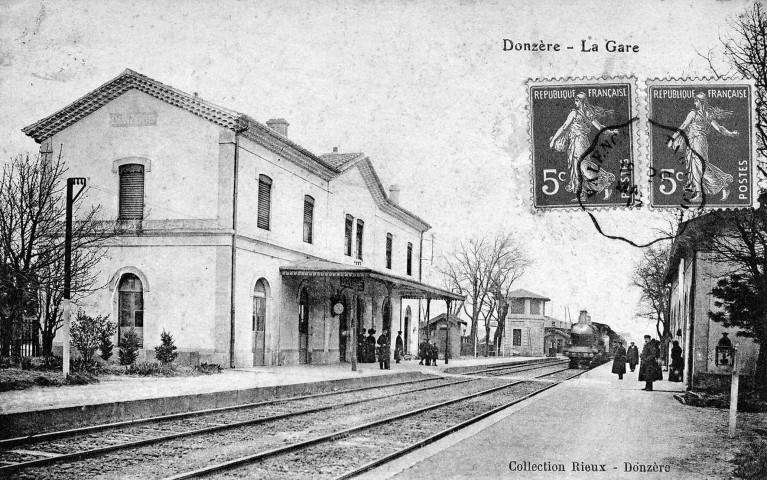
(443,329)
(245,246)
(524,330)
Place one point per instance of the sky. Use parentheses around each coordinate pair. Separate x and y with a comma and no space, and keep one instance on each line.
(424,88)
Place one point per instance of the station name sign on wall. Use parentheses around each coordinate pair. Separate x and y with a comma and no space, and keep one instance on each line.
(134,119)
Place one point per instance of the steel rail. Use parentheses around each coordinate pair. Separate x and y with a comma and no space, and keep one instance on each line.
(163,438)
(520,364)
(34,438)
(422,443)
(500,374)
(329,437)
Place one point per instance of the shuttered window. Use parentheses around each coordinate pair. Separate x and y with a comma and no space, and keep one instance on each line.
(388,250)
(409,265)
(308,218)
(131,192)
(348,230)
(360,230)
(264,201)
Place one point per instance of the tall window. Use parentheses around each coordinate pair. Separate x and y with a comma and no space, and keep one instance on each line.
(348,231)
(131,192)
(264,201)
(516,337)
(409,265)
(360,230)
(308,218)
(389,240)
(131,306)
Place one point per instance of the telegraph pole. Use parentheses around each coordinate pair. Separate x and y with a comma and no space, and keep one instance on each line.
(71,182)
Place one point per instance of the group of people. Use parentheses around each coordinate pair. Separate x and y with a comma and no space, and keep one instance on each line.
(369,348)
(649,362)
(428,351)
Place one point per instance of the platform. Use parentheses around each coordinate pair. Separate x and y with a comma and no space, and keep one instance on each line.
(592,420)
(117,398)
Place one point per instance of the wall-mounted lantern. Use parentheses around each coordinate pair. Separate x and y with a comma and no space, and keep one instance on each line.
(724,351)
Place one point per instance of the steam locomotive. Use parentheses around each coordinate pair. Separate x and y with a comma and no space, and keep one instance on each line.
(590,342)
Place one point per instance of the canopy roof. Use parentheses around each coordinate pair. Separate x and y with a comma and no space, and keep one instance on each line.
(407,287)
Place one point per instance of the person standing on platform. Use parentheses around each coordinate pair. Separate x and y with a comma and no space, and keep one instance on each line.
(423,352)
(632,355)
(649,370)
(361,346)
(384,351)
(434,353)
(677,363)
(399,347)
(619,364)
(370,349)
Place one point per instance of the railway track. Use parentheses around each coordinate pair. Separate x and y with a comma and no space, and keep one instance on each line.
(27,457)
(512,369)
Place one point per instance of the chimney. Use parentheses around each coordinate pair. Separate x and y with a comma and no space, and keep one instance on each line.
(335,149)
(279,125)
(394,194)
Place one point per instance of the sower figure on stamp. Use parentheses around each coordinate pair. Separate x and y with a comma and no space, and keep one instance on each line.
(619,364)
(399,347)
(632,356)
(649,369)
(384,351)
(701,174)
(586,177)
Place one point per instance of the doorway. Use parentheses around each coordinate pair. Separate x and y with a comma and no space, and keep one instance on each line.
(259,323)
(303,328)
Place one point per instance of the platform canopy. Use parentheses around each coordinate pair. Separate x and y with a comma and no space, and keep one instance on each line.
(407,287)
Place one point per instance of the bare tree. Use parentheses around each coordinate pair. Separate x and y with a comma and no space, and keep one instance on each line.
(649,276)
(482,269)
(32,211)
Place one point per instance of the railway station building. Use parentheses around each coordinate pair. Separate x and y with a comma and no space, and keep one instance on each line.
(248,248)
(692,274)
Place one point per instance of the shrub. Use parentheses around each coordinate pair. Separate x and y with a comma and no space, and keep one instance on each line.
(166,351)
(26,363)
(87,333)
(80,378)
(149,369)
(752,461)
(105,343)
(129,345)
(208,368)
(87,366)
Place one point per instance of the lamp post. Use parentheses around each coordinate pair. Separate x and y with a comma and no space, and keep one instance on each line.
(71,182)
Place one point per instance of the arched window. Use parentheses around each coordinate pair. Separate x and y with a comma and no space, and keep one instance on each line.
(131,306)
(264,201)
(131,192)
(348,230)
(389,241)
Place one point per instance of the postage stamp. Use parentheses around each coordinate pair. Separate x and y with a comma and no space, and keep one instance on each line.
(701,143)
(583,147)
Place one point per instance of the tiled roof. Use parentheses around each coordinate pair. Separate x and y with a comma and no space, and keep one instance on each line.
(127,80)
(339,160)
(522,293)
(224,117)
(441,318)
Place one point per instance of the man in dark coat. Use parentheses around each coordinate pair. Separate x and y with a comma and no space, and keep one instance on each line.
(361,346)
(384,351)
(677,363)
(632,356)
(619,364)
(434,352)
(370,349)
(649,370)
(424,352)
(399,347)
